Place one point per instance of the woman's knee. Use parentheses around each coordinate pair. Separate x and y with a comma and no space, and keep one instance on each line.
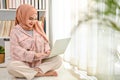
(12,68)
(59,61)
(12,65)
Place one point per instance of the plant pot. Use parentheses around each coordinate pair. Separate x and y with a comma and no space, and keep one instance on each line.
(2,58)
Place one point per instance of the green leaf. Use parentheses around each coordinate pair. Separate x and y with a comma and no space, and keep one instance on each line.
(2,50)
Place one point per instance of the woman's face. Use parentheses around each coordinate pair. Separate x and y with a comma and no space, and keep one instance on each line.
(32,20)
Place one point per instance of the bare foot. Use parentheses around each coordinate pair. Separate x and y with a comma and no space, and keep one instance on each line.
(49,73)
(39,74)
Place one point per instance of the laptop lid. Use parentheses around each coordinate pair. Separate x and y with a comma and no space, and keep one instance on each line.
(59,46)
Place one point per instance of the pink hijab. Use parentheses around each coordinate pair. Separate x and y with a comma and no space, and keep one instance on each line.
(23,13)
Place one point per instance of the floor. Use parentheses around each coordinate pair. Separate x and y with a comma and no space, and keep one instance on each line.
(63,74)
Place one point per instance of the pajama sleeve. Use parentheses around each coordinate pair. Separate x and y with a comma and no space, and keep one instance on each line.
(18,52)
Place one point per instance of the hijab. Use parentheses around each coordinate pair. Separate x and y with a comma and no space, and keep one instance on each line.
(23,13)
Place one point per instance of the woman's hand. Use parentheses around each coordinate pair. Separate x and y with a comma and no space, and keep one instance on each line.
(40,55)
(48,52)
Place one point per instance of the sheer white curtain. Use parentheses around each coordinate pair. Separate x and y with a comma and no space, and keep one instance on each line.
(92,45)
(61,19)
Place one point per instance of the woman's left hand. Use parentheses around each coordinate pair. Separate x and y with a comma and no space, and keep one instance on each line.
(48,52)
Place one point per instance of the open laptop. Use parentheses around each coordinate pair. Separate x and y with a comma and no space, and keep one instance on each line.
(59,47)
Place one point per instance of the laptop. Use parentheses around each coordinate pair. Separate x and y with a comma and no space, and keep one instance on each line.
(59,47)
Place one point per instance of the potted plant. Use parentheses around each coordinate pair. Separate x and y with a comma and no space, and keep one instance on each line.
(2,54)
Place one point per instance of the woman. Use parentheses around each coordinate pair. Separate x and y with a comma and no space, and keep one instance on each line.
(29,47)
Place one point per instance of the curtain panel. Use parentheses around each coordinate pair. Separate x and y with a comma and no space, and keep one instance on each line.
(93,46)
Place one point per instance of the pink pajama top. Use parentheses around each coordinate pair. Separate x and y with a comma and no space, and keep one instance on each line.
(23,46)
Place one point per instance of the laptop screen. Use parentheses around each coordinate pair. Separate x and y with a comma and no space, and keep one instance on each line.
(59,46)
